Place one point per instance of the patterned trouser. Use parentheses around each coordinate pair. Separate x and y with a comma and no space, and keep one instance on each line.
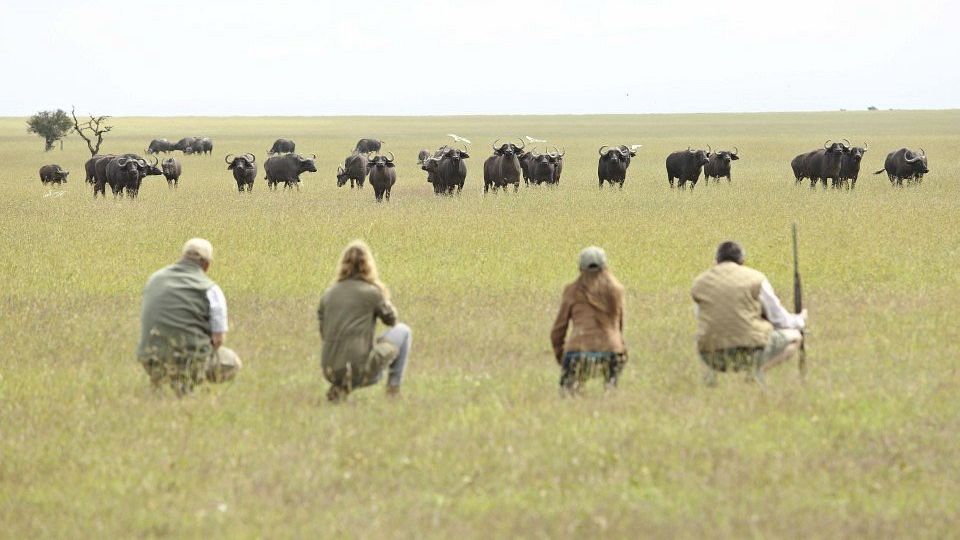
(579,367)
(183,370)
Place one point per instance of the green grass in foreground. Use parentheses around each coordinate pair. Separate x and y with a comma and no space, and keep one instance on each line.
(480,445)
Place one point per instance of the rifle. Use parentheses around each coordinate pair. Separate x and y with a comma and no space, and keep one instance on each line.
(798,306)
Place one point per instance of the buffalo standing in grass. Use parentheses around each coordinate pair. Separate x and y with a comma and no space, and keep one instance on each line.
(100,173)
(850,166)
(53,174)
(719,165)
(171,171)
(185,145)
(366,146)
(282,146)
(383,174)
(244,169)
(526,159)
(449,170)
(126,173)
(503,167)
(905,164)
(685,166)
(202,145)
(613,164)
(287,169)
(821,164)
(431,164)
(354,170)
(546,168)
(160,145)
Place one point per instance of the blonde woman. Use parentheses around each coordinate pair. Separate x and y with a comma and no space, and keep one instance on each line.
(593,305)
(349,309)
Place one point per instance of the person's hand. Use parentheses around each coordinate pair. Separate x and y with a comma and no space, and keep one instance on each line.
(216,339)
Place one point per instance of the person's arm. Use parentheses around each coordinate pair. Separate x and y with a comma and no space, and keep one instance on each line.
(320,316)
(386,312)
(558,334)
(774,311)
(218,316)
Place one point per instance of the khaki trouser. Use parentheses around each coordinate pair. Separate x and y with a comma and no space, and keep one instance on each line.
(182,370)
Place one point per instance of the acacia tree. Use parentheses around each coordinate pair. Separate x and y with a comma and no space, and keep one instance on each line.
(53,126)
(96,126)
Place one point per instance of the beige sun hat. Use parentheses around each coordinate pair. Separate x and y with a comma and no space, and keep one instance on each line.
(224,364)
(593,259)
(198,249)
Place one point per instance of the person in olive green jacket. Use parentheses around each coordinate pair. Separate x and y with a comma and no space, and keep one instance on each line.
(741,324)
(183,323)
(352,357)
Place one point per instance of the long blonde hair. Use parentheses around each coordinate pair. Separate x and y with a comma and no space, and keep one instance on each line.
(356,262)
(602,290)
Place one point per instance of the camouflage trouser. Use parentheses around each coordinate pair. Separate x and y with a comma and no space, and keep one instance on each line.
(579,367)
(746,358)
(183,370)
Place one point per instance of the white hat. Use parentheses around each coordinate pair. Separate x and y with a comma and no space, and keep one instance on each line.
(198,249)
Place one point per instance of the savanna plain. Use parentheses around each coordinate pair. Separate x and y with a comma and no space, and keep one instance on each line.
(480,444)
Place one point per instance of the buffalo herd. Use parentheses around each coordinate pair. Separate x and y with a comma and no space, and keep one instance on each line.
(446,167)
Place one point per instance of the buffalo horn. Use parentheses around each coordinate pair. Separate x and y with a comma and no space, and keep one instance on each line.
(314,156)
(122,161)
(848,142)
(865,146)
(691,150)
(601,149)
(252,158)
(922,151)
(495,145)
(227,158)
(827,144)
(736,151)
(906,156)
(391,157)
(156,160)
(522,145)
(709,150)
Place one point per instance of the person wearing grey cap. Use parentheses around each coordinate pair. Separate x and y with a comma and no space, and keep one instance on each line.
(593,306)
(183,323)
(741,324)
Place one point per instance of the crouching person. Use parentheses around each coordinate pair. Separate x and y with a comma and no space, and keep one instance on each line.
(741,324)
(352,356)
(183,324)
(593,305)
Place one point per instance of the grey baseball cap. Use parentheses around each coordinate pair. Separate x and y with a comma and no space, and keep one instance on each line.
(592,259)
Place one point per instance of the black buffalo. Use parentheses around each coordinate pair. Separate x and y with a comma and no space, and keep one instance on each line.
(503,167)
(613,164)
(850,166)
(90,168)
(125,173)
(546,168)
(526,159)
(383,174)
(171,171)
(100,173)
(820,165)
(201,145)
(448,170)
(185,145)
(287,169)
(431,163)
(160,145)
(719,165)
(354,170)
(422,155)
(53,174)
(366,146)
(905,164)
(282,146)
(685,166)
(244,169)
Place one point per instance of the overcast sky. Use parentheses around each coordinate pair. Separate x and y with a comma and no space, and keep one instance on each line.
(372,57)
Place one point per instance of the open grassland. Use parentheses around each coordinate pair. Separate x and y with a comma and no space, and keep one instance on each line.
(480,445)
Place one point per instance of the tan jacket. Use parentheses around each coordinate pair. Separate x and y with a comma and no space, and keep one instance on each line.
(592,331)
(729,311)
(348,316)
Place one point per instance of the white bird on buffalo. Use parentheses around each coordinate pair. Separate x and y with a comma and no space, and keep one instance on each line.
(531,139)
(635,146)
(457,138)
